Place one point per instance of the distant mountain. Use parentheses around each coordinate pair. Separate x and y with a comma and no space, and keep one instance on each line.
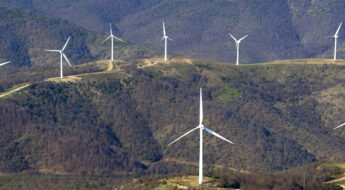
(25,36)
(278,29)
(279,115)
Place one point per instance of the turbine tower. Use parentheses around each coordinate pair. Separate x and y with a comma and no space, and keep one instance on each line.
(62,56)
(112,37)
(165,38)
(340,126)
(237,46)
(335,41)
(201,127)
(5,63)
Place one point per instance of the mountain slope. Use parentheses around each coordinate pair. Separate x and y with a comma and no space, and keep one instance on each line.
(279,29)
(25,37)
(117,122)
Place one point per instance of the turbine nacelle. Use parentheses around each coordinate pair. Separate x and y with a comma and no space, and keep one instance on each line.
(165,38)
(112,37)
(202,128)
(237,46)
(237,41)
(62,56)
(335,41)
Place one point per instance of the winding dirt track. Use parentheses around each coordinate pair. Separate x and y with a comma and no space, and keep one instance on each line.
(14,90)
(110,67)
(338,180)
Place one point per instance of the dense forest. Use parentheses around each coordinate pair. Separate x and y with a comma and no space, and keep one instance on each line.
(122,121)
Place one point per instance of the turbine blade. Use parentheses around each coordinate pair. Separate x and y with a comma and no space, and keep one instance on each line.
(119,39)
(328,37)
(5,63)
(340,126)
(106,39)
(111,30)
(53,50)
(66,59)
(217,135)
(338,29)
(201,116)
(170,39)
(64,47)
(233,37)
(164,33)
(184,135)
(242,38)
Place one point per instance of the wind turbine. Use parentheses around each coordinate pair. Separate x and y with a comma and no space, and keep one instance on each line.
(340,126)
(237,46)
(202,128)
(62,55)
(165,38)
(5,63)
(112,42)
(335,41)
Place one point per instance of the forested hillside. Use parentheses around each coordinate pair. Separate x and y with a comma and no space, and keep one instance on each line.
(108,122)
(25,36)
(277,29)
(279,115)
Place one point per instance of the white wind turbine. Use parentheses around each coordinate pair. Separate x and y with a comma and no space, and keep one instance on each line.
(237,46)
(335,41)
(340,126)
(165,38)
(202,128)
(5,63)
(112,37)
(62,55)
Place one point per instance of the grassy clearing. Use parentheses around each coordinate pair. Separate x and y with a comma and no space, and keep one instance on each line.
(313,61)
(187,182)
(174,183)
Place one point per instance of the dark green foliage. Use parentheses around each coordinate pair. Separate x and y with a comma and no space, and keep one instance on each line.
(334,186)
(225,182)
